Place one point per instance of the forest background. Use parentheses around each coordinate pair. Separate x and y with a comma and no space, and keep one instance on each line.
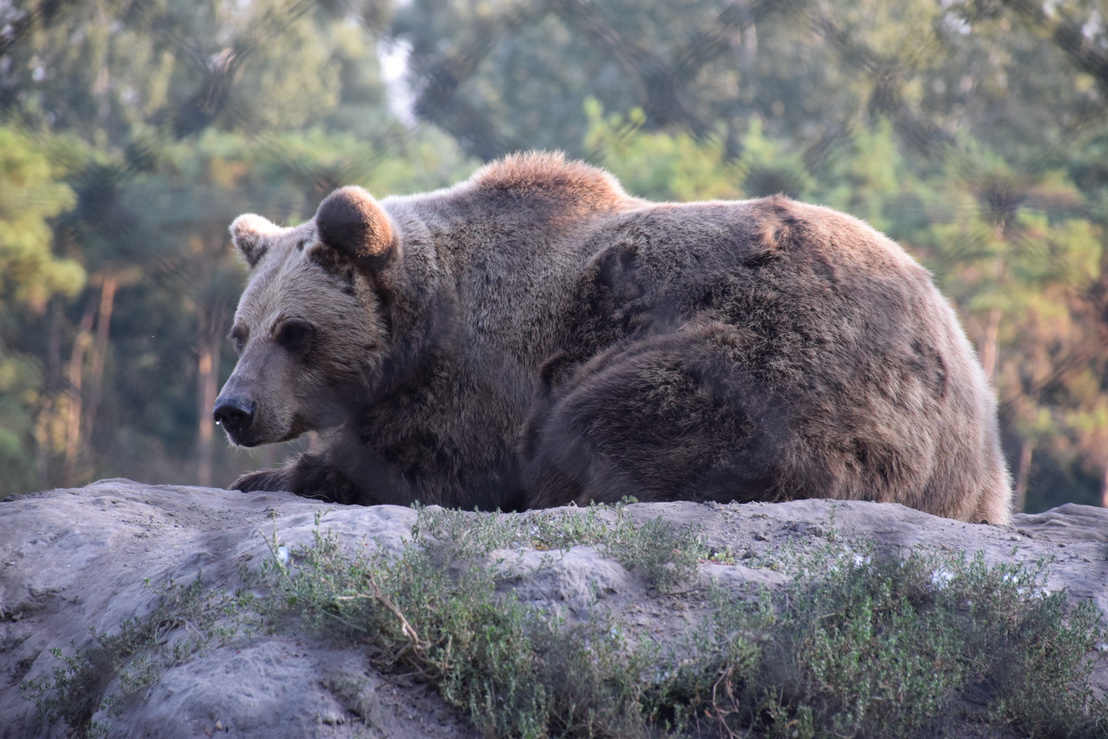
(974,132)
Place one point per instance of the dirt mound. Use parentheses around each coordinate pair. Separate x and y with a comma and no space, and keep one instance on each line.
(82,567)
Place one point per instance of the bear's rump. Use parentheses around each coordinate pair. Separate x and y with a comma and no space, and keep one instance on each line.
(795,404)
(671,417)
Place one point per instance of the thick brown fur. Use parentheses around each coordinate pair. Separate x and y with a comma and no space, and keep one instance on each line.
(535,337)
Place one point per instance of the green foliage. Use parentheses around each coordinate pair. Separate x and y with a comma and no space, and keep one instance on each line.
(32,192)
(658,166)
(515,670)
(19,381)
(665,556)
(917,646)
(768,169)
(856,645)
(505,75)
(131,659)
(678,166)
(103,69)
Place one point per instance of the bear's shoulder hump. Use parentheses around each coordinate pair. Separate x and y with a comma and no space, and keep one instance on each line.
(551,174)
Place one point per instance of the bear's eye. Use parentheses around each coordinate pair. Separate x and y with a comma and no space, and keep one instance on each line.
(295,336)
(238,338)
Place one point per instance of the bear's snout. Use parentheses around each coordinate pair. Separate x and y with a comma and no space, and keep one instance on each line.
(235,414)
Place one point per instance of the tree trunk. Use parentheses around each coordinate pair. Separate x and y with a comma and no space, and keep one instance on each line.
(100,352)
(71,470)
(208,379)
(990,347)
(990,344)
(207,375)
(46,418)
(1023,472)
(1104,489)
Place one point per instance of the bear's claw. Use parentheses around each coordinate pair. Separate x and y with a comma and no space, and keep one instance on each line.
(263,480)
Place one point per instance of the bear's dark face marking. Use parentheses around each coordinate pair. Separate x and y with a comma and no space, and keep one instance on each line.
(307,352)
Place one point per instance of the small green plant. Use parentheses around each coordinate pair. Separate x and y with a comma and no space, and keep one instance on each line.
(898,647)
(667,556)
(515,670)
(858,645)
(135,655)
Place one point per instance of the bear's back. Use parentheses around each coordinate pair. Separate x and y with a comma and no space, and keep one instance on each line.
(800,282)
(538,246)
(777,309)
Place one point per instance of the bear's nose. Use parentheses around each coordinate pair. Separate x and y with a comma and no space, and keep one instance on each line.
(234,414)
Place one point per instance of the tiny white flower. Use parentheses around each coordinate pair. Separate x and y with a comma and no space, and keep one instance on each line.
(941,577)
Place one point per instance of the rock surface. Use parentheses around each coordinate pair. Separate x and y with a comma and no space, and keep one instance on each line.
(92,558)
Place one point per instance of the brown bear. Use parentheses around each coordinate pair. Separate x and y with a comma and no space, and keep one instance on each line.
(537,337)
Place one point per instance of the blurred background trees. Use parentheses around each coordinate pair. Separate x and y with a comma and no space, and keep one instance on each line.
(975,132)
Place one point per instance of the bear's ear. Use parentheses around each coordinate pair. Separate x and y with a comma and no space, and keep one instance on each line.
(249,233)
(352,223)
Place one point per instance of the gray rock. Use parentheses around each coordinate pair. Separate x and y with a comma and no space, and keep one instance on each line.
(71,560)
(574,583)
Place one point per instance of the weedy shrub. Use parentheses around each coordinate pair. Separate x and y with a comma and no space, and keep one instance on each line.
(856,646)
(666,555)
(136,655)
(903,647)
(517,671)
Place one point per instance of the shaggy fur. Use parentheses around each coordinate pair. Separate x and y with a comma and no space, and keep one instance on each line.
(535,337)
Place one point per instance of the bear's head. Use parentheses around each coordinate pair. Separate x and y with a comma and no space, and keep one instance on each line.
(309,329)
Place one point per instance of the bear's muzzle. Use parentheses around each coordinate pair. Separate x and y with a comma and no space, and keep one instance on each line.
(235,414)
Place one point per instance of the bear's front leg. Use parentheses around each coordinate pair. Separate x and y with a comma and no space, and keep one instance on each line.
(311,476)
